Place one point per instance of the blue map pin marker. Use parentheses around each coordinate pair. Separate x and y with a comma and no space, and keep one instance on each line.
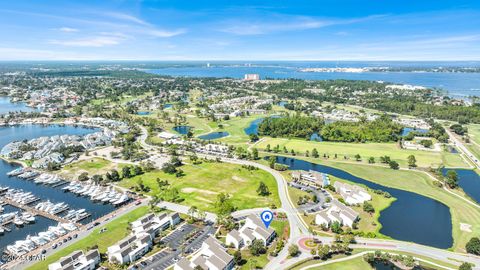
(267,217)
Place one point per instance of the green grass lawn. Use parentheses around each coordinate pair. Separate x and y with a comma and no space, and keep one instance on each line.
(235,127)
(95,165)
(474,132)
(420,183)
(116,230)
(353,264)
(296,193)
(359,263)
(366,150)
(201,184)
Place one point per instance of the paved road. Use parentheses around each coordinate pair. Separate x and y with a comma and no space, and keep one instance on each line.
(459,144)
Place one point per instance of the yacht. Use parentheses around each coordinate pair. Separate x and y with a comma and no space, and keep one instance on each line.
(58,208)
(121,200)
(16,249)
(18,221)
(69,226)
(16,172)
(27,244)
(116,197)
(28,175)
(43,178)
(49,236)
(28,217)
(39,241)
(57,230)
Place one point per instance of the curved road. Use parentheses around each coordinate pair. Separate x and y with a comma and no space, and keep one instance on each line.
(299,230)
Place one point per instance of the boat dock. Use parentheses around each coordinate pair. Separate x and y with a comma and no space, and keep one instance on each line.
(37,212)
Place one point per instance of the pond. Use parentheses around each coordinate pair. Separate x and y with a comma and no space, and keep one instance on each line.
(282,103)
(182,129)
(253,127)
(407,130)
(144,113)
(316,137)
(167,106)
(214,135)
(469,181)
(412,217)
(7,106)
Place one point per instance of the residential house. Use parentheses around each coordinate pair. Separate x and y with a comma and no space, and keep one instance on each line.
(129,249)
(338,212)
(352,194)
(77,260)
(251,230)
(311,178)
(211,256)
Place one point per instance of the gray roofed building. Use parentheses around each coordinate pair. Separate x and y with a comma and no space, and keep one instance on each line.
(77,260)
(212,255)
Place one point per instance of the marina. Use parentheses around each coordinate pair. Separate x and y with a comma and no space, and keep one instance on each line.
(34,202)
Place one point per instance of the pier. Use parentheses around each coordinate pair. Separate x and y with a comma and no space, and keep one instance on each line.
(38,212)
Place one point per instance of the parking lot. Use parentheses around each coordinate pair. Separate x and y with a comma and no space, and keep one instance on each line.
(177,245)
(311,207)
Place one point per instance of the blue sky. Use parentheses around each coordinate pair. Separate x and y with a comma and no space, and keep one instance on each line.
(240,30)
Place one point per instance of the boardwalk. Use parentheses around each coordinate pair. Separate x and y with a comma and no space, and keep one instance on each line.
(37,212)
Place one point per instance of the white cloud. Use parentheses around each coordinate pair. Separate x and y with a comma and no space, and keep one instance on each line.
(164,33)
(282,23)
(263,27)
(126,17)
(68,29)
(94,41)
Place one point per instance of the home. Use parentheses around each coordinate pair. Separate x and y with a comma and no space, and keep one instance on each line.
(251,230)
(352,194)
(156,222)
(338,212)
(77,260)
(129,249)
(234,238)
(167,135)
(212,255)
(311,178)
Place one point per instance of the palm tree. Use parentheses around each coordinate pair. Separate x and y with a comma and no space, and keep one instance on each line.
(192,211)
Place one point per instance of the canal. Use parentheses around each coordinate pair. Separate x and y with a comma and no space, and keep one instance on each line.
(412,217)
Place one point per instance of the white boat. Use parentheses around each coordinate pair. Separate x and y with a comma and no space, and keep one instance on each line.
(27,244)
(49,236)
(18,221)
(69,226)
(116,198)
(122,199)
(28,175)
(29,218)
(57,230)
(16,172)
(39,241)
